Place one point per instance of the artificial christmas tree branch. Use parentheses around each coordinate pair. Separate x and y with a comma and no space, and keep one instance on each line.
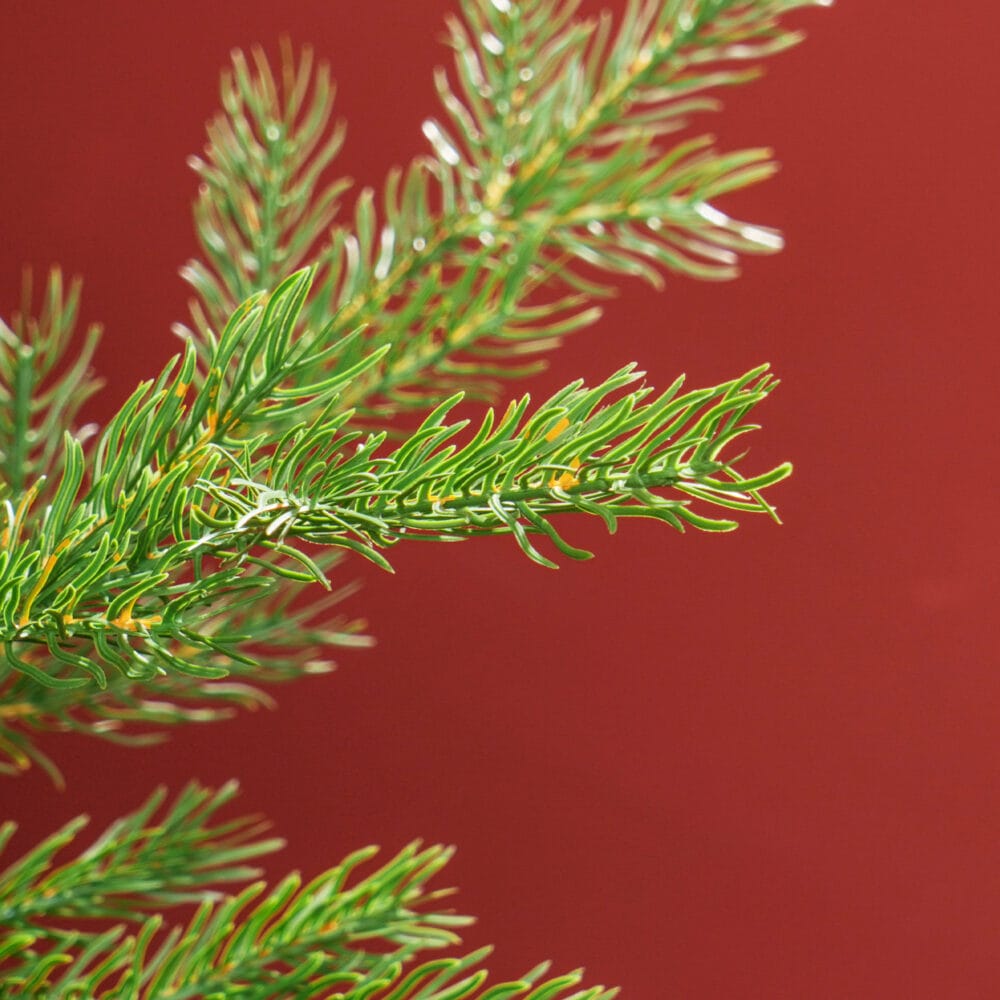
(150,572)
(270,944)
(190,506)
(38,401)
(492,248)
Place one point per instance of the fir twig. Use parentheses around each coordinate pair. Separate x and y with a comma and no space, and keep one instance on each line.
(463,979)
(140,569)
(546,173)
(189,509)
(137,573)
(263,203)
(42,388)
(296,939)
(140,864)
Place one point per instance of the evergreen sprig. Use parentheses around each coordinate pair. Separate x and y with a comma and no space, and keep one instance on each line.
(152,858)
(464,979)
(139,571)
(149,574)
(290,637)
(298,939)
(113,530)
(191,507)
(42,386)
(110,557)
(263,203)
(546,173)
(600,451)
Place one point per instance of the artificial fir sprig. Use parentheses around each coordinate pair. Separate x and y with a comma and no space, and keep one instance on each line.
(42,385)
(183,502)
(463,979)
(141,863)
(262,204)
(593,451)
(148,576)
(288,641)
(548,174)
(190,508)
(297,939)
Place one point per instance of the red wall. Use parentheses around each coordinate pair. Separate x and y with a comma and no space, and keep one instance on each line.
(759,765)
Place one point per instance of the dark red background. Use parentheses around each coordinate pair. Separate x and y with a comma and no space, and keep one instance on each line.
(758,765)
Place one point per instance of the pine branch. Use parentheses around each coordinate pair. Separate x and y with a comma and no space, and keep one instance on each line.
(589,451)
(129,530)
(203,961)
(138,865)
(548,170)
(184,513)
(151,578)
(548,161)
(42,389)
(215,482)
(296,939)
(117,597)
(289,637)
(263,204)
(462,979)
(122,535)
